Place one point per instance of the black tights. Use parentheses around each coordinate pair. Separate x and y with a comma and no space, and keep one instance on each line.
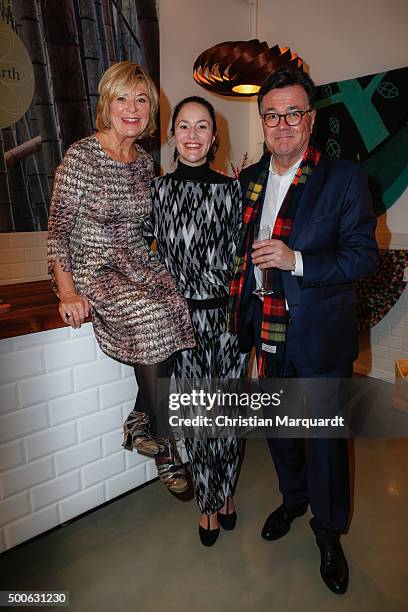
(152,397)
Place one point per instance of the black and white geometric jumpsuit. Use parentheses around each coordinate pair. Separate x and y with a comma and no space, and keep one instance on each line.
(196,221)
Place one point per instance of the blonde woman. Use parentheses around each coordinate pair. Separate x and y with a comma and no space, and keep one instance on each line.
(100,263)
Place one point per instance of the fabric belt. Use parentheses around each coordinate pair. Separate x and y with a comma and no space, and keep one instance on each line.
(209,304)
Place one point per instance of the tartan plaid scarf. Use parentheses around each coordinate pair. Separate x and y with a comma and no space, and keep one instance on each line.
(273,331)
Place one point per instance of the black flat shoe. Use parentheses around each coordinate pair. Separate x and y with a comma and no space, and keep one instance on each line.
(333,567)
(278,523)
(208,536)
(227,521)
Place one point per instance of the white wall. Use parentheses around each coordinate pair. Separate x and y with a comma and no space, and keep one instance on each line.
(338,41)
(188,27)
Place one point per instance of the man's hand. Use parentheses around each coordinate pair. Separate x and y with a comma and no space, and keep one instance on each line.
(273,254)
(74,309)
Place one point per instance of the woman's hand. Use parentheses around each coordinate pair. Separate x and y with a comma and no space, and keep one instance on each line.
(74,309)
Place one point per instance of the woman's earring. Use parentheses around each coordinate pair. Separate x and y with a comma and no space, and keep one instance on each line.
(171,143)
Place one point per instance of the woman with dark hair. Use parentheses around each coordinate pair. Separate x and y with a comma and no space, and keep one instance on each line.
(196,221)
(100,263)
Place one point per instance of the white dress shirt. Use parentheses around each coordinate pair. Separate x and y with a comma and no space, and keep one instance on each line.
(276,190)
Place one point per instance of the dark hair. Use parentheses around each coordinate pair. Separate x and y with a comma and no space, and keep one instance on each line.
(197,100)
(286,77)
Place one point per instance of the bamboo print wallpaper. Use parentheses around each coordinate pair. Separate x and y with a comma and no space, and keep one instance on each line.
(71,43)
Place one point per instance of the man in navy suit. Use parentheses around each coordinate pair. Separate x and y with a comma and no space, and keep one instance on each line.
(322,242)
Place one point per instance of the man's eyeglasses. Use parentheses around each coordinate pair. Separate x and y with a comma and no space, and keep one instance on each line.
(292,118)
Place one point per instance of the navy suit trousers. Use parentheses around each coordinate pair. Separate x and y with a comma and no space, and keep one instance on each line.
(315,471)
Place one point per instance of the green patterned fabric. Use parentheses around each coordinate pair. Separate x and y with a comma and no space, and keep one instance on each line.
(365,120)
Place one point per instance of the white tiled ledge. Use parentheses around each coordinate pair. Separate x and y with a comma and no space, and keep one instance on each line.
(62,404)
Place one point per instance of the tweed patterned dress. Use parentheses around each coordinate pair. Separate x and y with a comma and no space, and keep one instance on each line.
(196,221)
(95,229)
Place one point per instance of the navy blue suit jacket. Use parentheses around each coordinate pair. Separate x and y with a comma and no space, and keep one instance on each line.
(334,230)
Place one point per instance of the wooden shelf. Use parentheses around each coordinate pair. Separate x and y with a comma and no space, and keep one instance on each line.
(35,309)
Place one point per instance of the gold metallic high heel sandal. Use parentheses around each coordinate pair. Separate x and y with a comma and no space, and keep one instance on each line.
(137,436)
(170,468)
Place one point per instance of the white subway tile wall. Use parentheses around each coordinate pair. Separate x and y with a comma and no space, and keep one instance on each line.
(8,396)
(80,454)
(385,343)
(55,490)
(23,257)
(31,525)
(14,507)
(11,455)
(82,502)
(26,476)
(23,422)
(127,480)
(61,409)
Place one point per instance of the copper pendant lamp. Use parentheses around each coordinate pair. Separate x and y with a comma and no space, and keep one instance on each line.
(238,68)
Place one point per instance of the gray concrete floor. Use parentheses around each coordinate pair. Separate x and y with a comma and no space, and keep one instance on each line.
(142,552)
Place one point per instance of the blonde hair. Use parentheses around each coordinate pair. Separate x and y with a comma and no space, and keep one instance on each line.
(120,77)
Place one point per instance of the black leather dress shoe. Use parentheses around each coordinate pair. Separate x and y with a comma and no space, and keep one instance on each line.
(333,567)
(278,523)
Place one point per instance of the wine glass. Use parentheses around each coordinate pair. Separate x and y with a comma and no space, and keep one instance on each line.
(262,232)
